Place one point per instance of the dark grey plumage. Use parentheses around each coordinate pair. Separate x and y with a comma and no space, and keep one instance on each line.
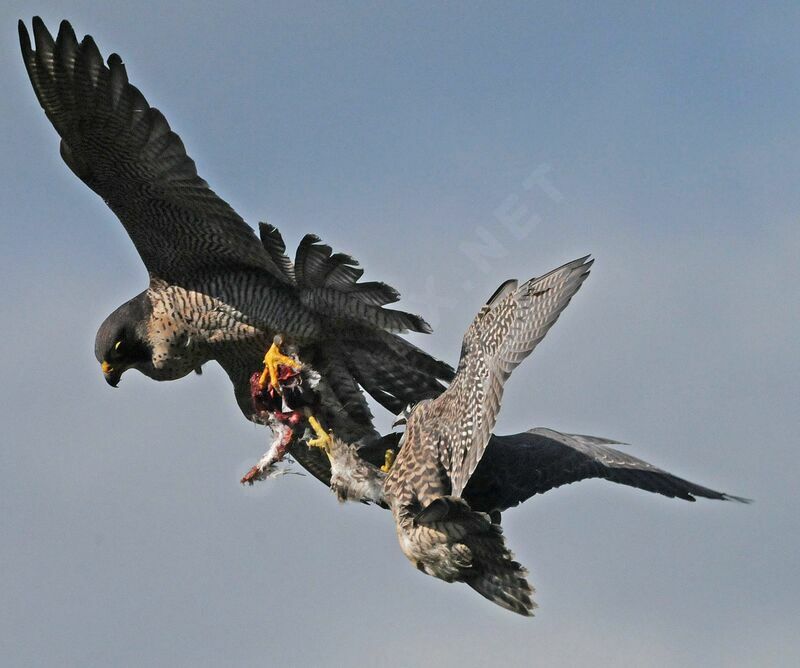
(217,291)
(518,466)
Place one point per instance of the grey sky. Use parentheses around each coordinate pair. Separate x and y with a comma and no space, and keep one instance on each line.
(669,143)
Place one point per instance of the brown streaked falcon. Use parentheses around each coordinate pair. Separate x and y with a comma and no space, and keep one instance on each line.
(216,291)
(452,477)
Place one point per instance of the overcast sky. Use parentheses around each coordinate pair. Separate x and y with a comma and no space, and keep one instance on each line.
(664,141)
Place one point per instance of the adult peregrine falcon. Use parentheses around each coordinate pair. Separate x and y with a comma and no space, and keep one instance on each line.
(452,477)
(216,291)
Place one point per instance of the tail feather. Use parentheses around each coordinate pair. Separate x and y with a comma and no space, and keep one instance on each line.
(341,271)
(329,284)
(317,266)
(478,552)
(310,261)
(273,243)
(497,575)
(507,588)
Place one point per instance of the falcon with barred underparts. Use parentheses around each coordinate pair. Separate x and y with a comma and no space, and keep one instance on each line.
(217,291)
(452,478)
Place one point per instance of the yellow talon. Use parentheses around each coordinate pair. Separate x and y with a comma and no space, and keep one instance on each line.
(388,461)
(323,439)
(272,360)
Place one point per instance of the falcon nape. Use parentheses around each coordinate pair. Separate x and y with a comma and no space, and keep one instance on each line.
(217,291)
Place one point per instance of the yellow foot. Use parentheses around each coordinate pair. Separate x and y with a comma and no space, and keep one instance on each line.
(323,439)
(388,461)
(272,360)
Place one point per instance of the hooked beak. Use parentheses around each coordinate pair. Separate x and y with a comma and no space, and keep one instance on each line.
(111,374)
(401,420)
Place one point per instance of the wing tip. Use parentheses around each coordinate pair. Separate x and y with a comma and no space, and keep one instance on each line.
(738,499)
(502,290)
(581,264)
(310,238)
(420,325)
(24,39)
(585,263)
(37,24)
(41,35)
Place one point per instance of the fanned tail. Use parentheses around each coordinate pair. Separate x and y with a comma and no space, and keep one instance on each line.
(363,347)
(503,581)
(479,552)
(329,284)
(273,243)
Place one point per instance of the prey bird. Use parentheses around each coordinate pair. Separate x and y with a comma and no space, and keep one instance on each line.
(216,290)
(452,477)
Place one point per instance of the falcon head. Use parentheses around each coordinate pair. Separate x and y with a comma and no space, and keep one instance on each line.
(121,342)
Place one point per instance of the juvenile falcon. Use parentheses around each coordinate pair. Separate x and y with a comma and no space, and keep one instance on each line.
(452,477)
(216,291)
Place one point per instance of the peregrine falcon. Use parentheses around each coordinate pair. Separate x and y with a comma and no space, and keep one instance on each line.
(452,477)
(216,291)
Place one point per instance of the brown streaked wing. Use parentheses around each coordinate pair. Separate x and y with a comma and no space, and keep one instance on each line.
(504,332)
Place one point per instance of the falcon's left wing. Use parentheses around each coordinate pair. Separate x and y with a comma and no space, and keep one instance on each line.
(125,151)
(504,332)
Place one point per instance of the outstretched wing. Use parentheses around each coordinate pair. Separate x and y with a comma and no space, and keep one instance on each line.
(124,150)
(516,467)
(504,332)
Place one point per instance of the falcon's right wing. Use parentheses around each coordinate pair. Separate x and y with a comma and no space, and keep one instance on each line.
(124,150)
(504,332)
(517,466)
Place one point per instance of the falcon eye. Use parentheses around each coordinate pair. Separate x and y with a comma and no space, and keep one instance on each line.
(116,351)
